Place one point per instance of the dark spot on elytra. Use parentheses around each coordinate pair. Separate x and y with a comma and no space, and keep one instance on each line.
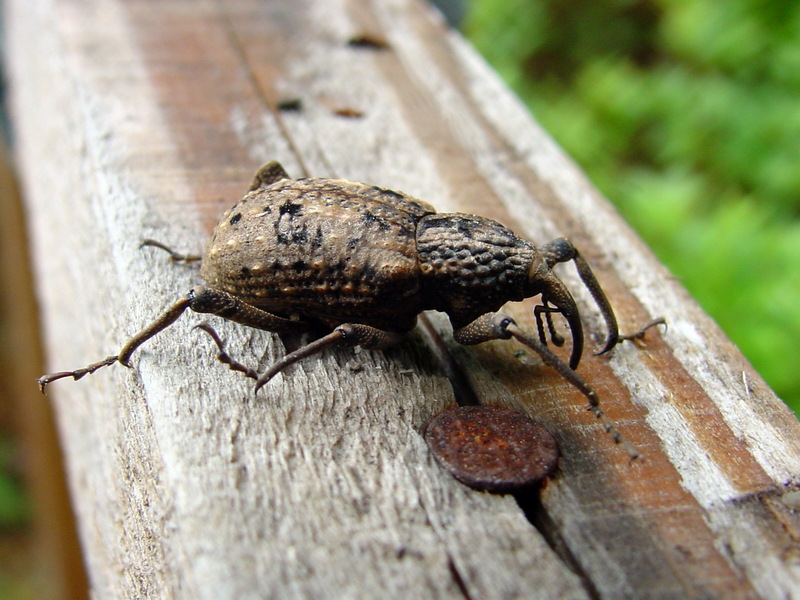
(388,192)
(318,238)
(294,235)
(299,265)
(290,208)
(267,210)
(369,273)
(353,243)
(465,227)
(235,218)
(244,272)
(371,218)
(286,229)
(290,104)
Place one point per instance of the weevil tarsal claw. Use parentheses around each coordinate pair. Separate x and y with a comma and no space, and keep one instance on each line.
(77,374)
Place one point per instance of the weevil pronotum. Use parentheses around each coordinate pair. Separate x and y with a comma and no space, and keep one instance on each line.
(363,262)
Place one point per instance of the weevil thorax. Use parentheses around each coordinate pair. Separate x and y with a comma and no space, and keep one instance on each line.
(471,265)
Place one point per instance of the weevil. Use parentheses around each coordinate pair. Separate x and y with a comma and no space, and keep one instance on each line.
(363,262)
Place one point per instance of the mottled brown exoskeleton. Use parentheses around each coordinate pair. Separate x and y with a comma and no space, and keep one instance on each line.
(363,262)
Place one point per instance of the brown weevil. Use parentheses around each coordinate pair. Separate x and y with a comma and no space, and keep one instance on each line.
(363,262)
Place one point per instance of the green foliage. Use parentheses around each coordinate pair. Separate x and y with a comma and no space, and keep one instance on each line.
(685,114)
(14,509)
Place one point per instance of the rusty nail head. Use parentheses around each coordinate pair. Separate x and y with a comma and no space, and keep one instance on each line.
(492,448)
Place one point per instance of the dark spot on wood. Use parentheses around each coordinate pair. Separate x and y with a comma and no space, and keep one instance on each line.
(368,41)
(350,113)
(290,104)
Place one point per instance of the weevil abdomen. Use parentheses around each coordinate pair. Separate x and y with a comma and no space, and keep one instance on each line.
(322,250)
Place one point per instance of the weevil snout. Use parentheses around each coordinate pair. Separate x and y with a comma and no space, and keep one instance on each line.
(556,298)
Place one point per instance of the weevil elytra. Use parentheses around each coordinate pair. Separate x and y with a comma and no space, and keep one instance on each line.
(363,262)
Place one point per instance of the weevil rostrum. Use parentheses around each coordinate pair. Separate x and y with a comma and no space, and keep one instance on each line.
(363,262)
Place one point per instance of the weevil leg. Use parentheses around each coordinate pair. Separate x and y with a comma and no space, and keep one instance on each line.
(638,336)
(223,356)
(216,302)
(175,257)
(351,334)
(268,174)
(548,311)
(497,326)
(199,299)
(164,321)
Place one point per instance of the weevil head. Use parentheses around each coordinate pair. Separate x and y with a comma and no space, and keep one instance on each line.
(556,298)
(471,266)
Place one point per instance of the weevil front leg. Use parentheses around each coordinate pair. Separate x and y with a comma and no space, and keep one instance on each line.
(498,326)
(199,299)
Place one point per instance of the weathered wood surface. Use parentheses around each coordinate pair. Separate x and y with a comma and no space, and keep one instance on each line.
(141,120)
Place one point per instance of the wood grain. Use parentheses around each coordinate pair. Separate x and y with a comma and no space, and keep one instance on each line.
(146,120)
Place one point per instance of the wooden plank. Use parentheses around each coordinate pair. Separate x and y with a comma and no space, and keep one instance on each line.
(55,551)
(139,120)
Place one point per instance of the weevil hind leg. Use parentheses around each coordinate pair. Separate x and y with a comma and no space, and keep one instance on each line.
(77,374)
(199,299)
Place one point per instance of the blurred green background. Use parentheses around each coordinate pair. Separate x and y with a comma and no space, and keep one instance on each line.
(686,114)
